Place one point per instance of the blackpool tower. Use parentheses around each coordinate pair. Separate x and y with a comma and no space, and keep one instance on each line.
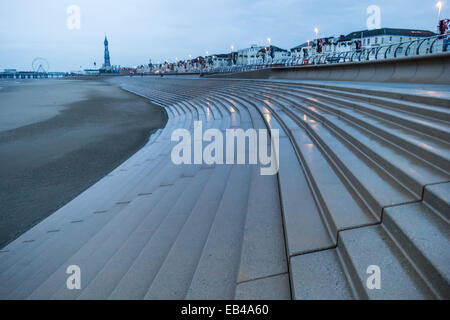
(107,63)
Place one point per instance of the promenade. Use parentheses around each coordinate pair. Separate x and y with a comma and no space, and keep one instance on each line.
(363,180)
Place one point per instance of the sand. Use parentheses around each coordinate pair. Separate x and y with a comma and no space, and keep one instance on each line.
(57,138)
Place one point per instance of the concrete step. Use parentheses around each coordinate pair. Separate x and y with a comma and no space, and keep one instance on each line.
(234,103)
(130,272)
(428,148)
(174,277)
(45,244)
(419,109)
(372,186)
(21,257)
(430,124)
(390,157)
(319,276)
(355,165)
(75,243)
(436,197)
(410,247)
(405,92)
(343,273)
(24,271)
(304,221)
(263,252)
(361,248)
(304,225)
(216,273)
(82,206)
(433,128)
(270,288)
(94,252)
(63,222)
(423,234)
(340,204)
(165,218)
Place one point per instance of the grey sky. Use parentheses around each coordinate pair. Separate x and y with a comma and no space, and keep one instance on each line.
(165,29)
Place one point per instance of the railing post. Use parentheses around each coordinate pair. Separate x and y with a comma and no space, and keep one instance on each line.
(387,50)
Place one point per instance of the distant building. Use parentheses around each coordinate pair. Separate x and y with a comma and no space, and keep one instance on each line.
(358,40)
(303,50)
(384,36)
(277,55)
(249,56)
(221,60)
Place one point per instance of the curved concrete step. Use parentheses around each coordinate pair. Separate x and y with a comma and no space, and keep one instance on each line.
(437,113)
(432,95)
(390,157)
(363,180)
(376,187)
(410,248)
(130,273)
(91,205)
(105,243)
(174,276)
(216,272)
(100,279)
(435,128)
(423,146)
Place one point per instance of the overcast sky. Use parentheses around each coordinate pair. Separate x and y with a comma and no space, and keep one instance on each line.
(139,30)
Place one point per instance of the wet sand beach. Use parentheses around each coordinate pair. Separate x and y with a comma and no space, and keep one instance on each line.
(57,138)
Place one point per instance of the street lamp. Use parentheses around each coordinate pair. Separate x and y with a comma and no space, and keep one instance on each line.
(439,6)
(269,40)
(207,53)
(317,33)
(232,48)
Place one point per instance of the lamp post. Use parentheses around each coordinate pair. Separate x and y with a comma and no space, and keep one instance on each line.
(268,41)
(439,6)
(231,55)
(317,33)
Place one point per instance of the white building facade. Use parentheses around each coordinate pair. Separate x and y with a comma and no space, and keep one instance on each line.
(367,42)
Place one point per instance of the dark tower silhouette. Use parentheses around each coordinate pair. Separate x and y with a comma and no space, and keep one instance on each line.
(107,63)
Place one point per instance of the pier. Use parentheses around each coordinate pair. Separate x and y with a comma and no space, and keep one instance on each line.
(31,75)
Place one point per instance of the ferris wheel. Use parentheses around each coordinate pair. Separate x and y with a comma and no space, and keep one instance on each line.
(40,65)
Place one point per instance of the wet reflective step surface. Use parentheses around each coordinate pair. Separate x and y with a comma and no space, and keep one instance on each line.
(363,184)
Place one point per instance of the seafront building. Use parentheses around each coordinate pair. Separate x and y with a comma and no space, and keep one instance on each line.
(221,60)
(369,44)
(250,56)
(359,40)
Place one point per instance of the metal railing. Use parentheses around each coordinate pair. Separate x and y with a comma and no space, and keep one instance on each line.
(416,47)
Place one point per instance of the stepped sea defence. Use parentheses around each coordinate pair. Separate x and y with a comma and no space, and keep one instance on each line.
(358,208)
